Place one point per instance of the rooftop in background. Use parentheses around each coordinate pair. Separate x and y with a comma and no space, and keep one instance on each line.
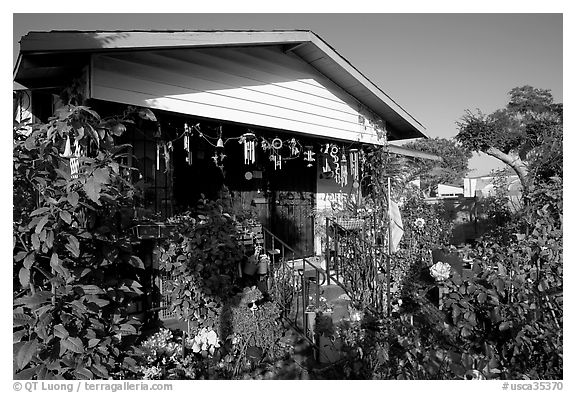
(45,55)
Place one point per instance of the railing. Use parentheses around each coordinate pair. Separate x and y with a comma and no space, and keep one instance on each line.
(294,284)
(357,265)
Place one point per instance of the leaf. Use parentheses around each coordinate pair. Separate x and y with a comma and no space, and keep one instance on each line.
(66,217)
(92,289)
(34,300)
(18,336)
(35,241)
(92,189)
(482,297)
(126,328)
(100,370)
(93,342)
(21,319)
(54,260)
(73,344)
(147,114)
(60,331)
(83,373)
(499,283)
(41,223)
(26,353)
(73,245)
(27,374)
(24,276)
(39,211)
(136,262)
(73,198)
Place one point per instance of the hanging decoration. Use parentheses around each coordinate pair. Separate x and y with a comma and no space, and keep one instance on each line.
(276,157)
(294,151)
(309,156)
(336,159)
(74,161)
(354,167)
(167,154)
(326,168)
(187,146)
(249,142)
(343,170)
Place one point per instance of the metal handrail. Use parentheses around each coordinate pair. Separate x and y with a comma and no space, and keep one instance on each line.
(289,283)
(357,261)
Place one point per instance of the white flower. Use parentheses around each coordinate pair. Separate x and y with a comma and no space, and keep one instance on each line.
(440,271)
(419,223)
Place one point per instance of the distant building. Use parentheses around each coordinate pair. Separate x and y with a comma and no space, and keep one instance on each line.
(449,191)
(485,186)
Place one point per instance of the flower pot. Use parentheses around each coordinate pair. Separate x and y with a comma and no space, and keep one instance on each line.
(250,268)
(263,267)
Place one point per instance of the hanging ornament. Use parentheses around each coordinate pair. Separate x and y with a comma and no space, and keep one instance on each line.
(167,150)
(294,151)
(74,161)
(309,156)
(67,150)
(343,170)
(249,142)
(277,144)
(157,155)
(220,143)
(187,146)
(265,144)
(335,158)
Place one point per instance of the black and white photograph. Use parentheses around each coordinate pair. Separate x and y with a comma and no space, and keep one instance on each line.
(287,196)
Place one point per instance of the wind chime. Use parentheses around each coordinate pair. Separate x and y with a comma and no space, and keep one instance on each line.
(74,157)
(157,136)
(354,167)
(326,168)
(294,151)
(276,157)
(336,159)
(219,155)
(309,156)
(343,170)
(249,142)
(187,146)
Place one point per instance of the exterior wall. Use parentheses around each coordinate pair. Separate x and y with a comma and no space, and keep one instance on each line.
(259,86)
(445,190)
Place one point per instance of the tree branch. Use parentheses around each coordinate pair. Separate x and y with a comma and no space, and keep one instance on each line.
(515,163)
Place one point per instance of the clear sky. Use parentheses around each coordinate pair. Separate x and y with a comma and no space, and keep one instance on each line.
(434,65)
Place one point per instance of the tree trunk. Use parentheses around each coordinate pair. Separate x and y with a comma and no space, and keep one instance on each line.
(515,163)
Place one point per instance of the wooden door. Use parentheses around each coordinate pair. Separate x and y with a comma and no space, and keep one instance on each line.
(292,204)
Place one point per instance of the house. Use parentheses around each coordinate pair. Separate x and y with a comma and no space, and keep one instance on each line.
(279,116)
(449,191)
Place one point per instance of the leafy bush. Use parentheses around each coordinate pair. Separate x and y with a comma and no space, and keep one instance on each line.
(201,262)
(503,320)
(74,269)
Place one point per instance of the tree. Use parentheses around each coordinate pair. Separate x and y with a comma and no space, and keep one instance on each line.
(526,134)
(452,168)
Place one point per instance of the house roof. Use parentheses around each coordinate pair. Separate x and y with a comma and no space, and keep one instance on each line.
(47,56)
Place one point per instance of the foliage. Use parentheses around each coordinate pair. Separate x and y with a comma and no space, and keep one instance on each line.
(254,332)
(452,168)
(74,269)
(426,227)
(525,135)
(502,319)
(201,262)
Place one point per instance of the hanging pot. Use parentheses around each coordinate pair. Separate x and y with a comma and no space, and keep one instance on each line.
(263,266)
(250,268)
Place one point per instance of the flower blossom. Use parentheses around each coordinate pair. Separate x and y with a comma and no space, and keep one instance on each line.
(419,223)
(440,271)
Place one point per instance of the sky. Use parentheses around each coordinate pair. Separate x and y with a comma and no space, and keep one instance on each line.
(436,66)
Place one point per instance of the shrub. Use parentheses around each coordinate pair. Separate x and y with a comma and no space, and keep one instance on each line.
(74,269)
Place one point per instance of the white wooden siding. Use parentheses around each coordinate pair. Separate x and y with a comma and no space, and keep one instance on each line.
(260,86)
